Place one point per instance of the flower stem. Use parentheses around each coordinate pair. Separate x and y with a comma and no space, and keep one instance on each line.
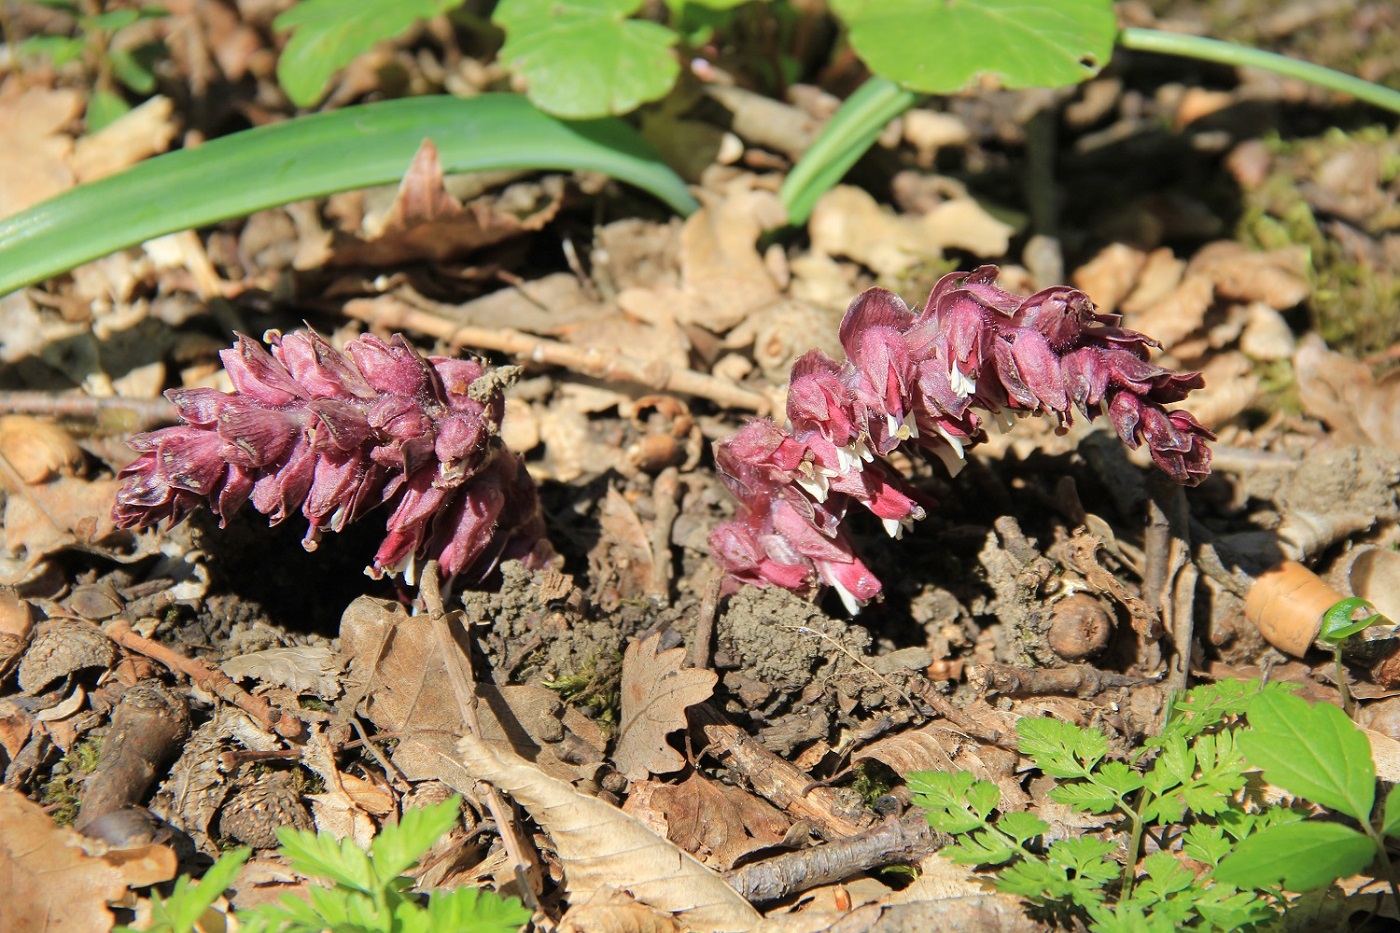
(1230,53)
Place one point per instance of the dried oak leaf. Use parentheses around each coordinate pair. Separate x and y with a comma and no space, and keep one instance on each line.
(311,669)
(426,222)
(600,846)
(1342,392)
(655,695)
(50,880)
(715,822)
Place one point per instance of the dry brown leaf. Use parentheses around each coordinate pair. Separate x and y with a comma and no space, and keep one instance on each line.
(715,822)
(1231,387)
(655,694)
(303,669)
(623,555)
(611,911)
(600,846)
(937,747)
(49,878)
(1174,316)
(1343,393)
(1277,277)
(849,222)
(140,133)
(36,149)
(42,519)
(426,222)
(1110,276)
(393,658)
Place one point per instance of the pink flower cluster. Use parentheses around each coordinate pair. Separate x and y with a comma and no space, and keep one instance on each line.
(337,434)
(931,380)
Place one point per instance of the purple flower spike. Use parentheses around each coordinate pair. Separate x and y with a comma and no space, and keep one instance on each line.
(333,435)
(930,380)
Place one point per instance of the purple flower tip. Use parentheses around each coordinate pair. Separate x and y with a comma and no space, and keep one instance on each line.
(931,380)
(333,435)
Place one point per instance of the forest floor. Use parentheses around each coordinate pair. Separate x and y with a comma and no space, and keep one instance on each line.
(1248,223)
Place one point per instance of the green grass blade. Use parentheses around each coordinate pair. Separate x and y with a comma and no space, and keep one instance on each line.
(1231,53)
(313,156)
(850,131)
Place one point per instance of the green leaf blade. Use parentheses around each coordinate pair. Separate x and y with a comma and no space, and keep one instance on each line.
(307,158)
(587,59)
(399,846)
(1314,752)
(1300,856)
(942,47)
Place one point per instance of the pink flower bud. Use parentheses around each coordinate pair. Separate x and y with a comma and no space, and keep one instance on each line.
(333,435)
(920,380)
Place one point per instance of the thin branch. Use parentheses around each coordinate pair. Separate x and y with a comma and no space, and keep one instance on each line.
(391,314)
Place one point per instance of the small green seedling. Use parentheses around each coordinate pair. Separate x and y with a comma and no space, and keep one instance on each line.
(100,44)
(364,892)
(1224,860)
(1339,624)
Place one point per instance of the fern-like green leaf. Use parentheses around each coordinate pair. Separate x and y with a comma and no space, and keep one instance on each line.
(398,846)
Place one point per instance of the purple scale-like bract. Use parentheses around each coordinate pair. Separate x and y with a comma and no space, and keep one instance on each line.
(930,380)
(334,435)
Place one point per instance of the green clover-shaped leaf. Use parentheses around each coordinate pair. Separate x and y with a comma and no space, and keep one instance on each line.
(586,58)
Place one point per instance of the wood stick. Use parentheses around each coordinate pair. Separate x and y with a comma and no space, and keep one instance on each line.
(392,314)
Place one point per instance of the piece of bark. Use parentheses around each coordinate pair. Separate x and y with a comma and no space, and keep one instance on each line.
(148,726)
(893,842)
(775,779)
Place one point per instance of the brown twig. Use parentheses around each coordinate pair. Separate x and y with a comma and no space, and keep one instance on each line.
(702,643)
(1080,680)
(148,725)
(136,414)
(392,314)
(777,780)
(666,494)
(211,680)
(893,842)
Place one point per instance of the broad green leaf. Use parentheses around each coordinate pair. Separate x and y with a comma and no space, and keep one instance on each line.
(1391,820)
(103,109)
(1314,752)
(1060,749)
(981,848)
(1300,856)
(1022,826)
(398,846)
(942,47)
(328,34)
(944,796)
(108,22)
(188,901)
(322,855)
(586,58)
(1086,855)
(132,68)
(1206,843)
(313,156)
(475,910)
(59,49)
(1084,795)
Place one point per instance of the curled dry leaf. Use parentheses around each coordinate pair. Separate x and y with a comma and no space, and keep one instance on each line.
(600,846)
(426,222)
(36,149)
(715,822)
(655,695)
(38,450)
(397,668)
(611,911)
(55,879)
(311,669)
(1342,392)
